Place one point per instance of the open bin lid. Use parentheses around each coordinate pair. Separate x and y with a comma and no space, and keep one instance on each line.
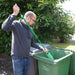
(36,51)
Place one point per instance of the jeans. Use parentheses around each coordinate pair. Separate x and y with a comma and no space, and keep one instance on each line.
(21,66)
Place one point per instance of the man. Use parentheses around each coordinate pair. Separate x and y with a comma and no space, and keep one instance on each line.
(22,40)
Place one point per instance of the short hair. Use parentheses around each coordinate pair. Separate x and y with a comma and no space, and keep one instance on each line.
(30,14)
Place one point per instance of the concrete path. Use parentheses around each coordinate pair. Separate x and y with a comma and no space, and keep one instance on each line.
(73,39)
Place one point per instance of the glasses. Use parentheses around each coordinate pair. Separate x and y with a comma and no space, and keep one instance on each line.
(33,20)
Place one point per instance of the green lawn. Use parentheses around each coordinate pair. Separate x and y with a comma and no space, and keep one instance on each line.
(67,45)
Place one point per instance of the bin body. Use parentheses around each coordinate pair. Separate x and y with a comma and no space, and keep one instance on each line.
(34,67)
(72,64)
(58,66)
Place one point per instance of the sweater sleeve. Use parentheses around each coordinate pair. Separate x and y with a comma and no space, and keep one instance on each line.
(8,24)
(33,44)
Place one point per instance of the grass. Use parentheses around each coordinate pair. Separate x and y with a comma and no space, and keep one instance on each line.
(67,45)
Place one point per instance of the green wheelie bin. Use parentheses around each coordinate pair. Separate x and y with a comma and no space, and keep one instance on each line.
(58,66)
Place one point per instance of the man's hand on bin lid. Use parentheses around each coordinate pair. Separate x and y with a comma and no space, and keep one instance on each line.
(46,50)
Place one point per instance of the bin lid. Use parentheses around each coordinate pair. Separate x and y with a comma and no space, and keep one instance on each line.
(35,51)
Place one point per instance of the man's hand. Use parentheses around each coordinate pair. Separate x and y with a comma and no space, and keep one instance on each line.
(16,9)
(46,50)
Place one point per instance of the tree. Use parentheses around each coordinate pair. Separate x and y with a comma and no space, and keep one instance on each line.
(51,21)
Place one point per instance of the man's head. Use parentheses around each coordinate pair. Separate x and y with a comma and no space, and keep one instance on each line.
(30,17)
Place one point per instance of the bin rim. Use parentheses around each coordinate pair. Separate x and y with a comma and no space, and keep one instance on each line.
(57,60)
(50,60)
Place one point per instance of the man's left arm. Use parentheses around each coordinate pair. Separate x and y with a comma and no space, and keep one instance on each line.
(33,44)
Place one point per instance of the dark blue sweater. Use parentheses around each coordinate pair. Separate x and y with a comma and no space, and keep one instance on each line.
(22,37)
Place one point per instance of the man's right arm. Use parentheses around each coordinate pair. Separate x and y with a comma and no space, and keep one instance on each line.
(8,24)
